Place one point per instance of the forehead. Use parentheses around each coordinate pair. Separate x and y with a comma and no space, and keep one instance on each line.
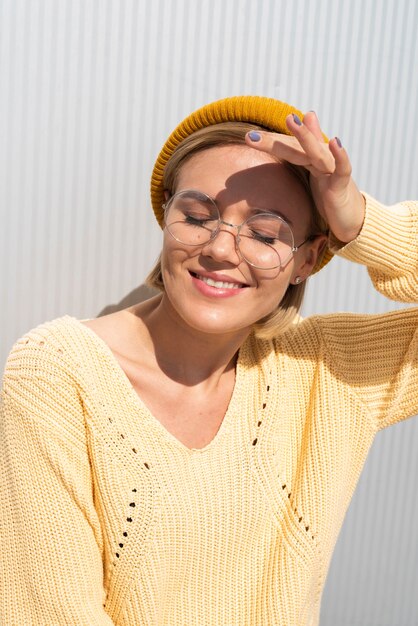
(223,161)
(239,173)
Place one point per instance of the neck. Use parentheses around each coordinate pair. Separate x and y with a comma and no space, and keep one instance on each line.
(186,355)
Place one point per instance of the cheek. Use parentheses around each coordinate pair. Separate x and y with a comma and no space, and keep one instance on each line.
(172,254)
(174,260)
(272,289)
(274,283)
(273,300)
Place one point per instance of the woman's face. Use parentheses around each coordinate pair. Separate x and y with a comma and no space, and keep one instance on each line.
(239,179)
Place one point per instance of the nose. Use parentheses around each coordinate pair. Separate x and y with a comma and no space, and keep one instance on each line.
(223,247)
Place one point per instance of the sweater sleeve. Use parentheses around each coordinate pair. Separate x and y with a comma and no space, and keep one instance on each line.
(388,246)
(375,359)
(51,568)
(377,355)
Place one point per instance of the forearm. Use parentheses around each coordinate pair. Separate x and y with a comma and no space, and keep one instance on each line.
(388,246)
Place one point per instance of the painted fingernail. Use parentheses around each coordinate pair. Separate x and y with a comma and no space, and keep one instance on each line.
(254,135)
(338,140)
(297,119)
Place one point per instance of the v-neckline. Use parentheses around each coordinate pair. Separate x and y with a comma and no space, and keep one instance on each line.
(138,405)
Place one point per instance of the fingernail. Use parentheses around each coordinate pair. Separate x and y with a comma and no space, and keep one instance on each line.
(297,119)
(338,140)
(254,135)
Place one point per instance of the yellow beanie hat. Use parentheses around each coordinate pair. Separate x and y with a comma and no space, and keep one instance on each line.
(266,112)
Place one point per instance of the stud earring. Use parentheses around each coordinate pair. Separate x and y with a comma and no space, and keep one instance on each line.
(298,280)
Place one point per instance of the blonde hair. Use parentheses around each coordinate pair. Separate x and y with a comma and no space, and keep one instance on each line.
(233,133)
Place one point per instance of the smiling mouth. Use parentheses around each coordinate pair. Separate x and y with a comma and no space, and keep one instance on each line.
(219,284)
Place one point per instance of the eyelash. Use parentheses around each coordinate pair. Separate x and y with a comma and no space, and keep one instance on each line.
(194,221)
(263,238)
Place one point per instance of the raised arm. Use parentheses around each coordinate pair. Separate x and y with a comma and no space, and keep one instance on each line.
(388,246)
(336,195)
(361,229)
(377,355)
(51,564)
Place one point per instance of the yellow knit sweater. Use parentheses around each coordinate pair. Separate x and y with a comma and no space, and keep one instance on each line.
(108,519)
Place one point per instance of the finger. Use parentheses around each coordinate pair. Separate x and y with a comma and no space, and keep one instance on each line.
(283,147)
(343,184)
(310,119)
(319,154)
(343,169)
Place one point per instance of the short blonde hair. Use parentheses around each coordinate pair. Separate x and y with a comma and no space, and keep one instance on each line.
(233,133)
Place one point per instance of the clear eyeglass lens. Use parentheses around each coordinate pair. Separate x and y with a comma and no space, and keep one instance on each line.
(191,218)
(264,240)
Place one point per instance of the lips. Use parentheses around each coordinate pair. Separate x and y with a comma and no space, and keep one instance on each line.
(219,281)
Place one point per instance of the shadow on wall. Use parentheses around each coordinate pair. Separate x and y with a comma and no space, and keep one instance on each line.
(141,293)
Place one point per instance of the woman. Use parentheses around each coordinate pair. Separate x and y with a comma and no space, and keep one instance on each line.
(190,460)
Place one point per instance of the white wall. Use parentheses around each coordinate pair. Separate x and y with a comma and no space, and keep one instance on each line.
(89,90)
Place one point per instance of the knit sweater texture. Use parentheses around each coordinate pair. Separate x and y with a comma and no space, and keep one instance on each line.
(108,519)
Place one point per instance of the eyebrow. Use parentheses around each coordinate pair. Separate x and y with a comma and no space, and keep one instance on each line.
(256,211)
(252,210)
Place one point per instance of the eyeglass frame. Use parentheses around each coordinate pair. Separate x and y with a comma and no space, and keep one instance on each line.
(220,222)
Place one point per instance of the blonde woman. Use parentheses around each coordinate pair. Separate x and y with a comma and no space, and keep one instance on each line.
(190,460)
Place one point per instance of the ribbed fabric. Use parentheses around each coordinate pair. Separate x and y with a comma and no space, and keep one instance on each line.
(267,112)
(108,519)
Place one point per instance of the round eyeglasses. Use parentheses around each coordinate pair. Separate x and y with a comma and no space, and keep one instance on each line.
(264,240)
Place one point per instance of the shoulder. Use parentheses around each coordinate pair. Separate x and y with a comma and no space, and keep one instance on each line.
(40,383)
(51,351)
(303,337)
(114,329)
(302,341)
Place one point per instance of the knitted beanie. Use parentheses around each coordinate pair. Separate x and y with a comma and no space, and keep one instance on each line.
(266,112)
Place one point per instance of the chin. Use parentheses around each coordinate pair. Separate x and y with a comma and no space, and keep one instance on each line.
(224,315)
(208,320)
(217,324)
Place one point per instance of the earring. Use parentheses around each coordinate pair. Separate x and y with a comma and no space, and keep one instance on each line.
(298,280)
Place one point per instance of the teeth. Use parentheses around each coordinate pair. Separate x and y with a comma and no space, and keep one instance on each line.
(218,283)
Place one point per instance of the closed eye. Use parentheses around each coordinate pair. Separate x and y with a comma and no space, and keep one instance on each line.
(197,221)
(269,240)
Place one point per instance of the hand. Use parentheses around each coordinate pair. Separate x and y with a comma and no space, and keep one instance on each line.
(335,193)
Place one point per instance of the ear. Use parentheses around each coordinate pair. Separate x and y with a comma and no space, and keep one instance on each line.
(167,194)
(307,260)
